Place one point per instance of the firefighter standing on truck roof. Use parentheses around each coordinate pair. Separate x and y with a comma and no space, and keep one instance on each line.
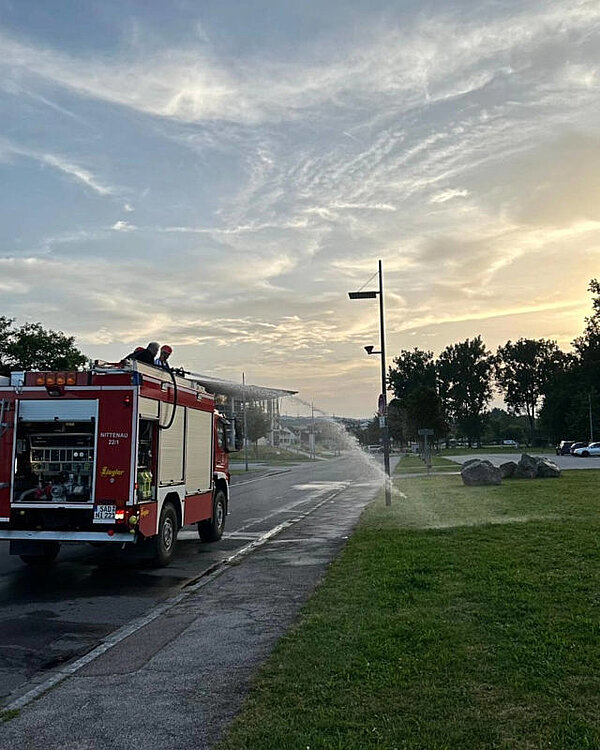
(161,360)
(146,355)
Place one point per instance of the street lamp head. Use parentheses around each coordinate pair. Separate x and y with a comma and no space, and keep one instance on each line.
(369,349)
(362,295)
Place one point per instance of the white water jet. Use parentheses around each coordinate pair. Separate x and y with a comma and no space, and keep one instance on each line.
(373,469)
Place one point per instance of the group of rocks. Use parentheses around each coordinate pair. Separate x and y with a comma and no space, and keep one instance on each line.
(479,471)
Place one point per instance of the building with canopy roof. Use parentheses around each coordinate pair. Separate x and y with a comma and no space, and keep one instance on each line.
(234,396)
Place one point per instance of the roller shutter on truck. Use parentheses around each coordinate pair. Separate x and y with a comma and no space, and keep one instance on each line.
(171,446)
(80,410)
(198,451)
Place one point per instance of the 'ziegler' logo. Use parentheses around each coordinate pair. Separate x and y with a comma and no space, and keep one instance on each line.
(106,472)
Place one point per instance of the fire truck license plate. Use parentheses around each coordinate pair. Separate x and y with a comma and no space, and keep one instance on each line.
(104,512)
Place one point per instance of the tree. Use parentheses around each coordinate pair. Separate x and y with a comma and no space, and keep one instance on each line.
(565,413)
(499,425)
(524,370)
(32,347)
(396,417)
(257,424)
(587,346)
(464,375)
(417,405)
(371,435)
(412,369)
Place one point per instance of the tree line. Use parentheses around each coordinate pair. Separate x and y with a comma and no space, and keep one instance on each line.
(32,347)
(549,390)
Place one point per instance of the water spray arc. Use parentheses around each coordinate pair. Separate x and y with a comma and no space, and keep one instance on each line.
(372,470)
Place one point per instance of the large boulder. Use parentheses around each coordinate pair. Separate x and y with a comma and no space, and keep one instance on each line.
(480,472)
(547,468)
(530,467)
(527,467)
(508,469)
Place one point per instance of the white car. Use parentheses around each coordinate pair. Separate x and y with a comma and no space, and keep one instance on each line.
(593,449)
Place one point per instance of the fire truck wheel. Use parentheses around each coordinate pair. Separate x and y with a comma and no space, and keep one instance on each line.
(166,539)
(212,529)
(48,554)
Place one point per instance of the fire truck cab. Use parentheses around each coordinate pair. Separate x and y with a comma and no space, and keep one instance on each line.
(122,455)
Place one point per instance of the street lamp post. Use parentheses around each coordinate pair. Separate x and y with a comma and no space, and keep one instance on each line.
(383,403)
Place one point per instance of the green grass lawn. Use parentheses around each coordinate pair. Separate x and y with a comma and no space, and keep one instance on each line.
(459,618)
(411,463)
(269,454)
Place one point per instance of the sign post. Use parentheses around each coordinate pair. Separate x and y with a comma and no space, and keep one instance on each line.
(425,433)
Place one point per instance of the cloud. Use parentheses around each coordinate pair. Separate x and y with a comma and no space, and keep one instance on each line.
(447,195)
(434,60)
(62,164)
(123,226)
(555,183)
(75,171)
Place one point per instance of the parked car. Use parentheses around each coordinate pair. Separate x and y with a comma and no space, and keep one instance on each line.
(564,447)
(576,446)
(593,449)
(510,443)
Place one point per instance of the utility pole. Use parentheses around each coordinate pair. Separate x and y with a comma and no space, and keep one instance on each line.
(591,419)
(383,419)
(245,419)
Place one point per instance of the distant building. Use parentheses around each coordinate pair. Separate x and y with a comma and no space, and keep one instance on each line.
(234,395)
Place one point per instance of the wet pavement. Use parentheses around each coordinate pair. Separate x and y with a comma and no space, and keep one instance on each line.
(184,674)
(51,617)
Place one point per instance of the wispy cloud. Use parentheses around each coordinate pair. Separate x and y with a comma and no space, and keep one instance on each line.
(73,170)
(62,164)
(448,195)
(432,61)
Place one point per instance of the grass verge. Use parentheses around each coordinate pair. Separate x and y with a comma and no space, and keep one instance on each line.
(411,463)
(269,454)
(459,618)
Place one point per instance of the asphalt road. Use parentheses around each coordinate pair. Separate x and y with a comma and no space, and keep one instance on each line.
(49,617)
(563,462)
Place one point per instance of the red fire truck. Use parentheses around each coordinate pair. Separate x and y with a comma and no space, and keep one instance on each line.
(117,455)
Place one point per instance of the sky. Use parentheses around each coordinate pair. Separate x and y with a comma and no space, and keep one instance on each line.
(218,175)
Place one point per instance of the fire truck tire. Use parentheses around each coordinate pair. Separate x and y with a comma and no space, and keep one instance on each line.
(211,530)
(165,541)
(47,556)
